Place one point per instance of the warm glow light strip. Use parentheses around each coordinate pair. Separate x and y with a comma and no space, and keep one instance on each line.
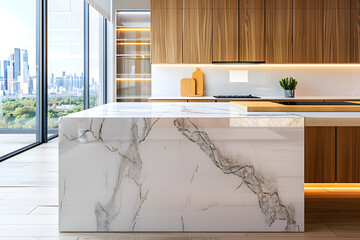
(132,12)
(249,65)
(332,186)
(133,29)
(133,79)
(134,43)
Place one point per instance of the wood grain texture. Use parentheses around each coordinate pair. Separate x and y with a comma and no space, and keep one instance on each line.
(336,35)
(197,4)
(166,4)
(197,29)
(355,31)
(308,31)
(266,106)
(279,31)
(348,154)
(225,31)
(252,31)
(320,154)
(166,31)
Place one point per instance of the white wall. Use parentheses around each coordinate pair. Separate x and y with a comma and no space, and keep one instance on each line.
(131,4)
(314,80)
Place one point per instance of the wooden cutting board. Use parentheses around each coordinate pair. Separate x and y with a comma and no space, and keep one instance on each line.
(276,107)
(199,78)
(188,86)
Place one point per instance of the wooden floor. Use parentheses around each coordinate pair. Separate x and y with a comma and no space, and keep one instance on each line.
(29,199)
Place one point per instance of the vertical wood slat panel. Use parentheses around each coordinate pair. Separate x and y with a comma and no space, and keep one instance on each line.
(320,154)
(308,31)
(348,154)
(197,29)
(252,31)
(166,31)
(279,31)
(336,33)
(225,31)
(355,31)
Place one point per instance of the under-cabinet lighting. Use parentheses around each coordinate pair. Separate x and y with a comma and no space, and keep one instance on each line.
(132,12)
(133,29)
(332,186)
(133,79)
(134,43)
(253,65)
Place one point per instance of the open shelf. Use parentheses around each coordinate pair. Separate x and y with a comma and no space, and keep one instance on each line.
(133,67)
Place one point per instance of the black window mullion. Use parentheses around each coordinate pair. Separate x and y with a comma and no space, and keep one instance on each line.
(41,106)
(86,56)
(105,61)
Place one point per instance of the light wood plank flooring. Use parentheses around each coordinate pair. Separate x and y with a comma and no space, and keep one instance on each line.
(29,199)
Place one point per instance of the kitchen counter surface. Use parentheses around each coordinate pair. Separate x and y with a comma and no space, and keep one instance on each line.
(168,110)
(347,98)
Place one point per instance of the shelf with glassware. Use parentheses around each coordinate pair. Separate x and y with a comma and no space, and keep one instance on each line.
(133,67)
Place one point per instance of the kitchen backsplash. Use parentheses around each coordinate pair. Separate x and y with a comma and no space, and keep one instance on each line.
(263,80)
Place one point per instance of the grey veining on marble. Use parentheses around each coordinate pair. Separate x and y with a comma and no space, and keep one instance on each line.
(179,174)
(269,200)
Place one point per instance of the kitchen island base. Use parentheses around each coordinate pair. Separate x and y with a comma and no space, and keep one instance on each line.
(191,174)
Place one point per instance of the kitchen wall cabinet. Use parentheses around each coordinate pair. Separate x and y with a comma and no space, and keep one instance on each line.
(166,31)
(279,31)
(252,31)
(355,31)
(197,29)
(225,32)
(320,154)
(308,31)
(348,154)
(336,32)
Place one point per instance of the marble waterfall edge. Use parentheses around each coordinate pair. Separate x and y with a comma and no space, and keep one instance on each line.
(179,174)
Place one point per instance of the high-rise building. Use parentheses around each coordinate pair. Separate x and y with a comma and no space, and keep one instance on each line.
(17,63)
(25,66)
(10,78)
(6,64)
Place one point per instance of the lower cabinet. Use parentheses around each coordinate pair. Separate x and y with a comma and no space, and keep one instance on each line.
(332,154)
(348,154)
(320,154)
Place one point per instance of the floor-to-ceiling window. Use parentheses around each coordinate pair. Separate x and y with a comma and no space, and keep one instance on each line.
(49,67)
(18,77)
(96,56)
(65,59)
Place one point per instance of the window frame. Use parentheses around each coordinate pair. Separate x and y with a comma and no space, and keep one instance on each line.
(42,73)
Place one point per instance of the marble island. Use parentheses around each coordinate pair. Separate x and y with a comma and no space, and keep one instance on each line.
(173,167)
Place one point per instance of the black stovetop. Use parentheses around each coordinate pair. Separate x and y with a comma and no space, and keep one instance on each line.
(236,96)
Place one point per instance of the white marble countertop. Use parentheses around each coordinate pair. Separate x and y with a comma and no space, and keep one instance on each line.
(170,110)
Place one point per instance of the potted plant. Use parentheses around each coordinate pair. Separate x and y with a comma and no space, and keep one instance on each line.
(289,85)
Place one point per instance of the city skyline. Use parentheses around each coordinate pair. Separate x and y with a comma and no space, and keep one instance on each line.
(15,78)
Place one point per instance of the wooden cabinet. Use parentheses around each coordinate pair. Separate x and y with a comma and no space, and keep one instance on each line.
(308,31)
(320,154)
(336,32)
(166,31)
(348,154)
(225,32)
(197,29)
(355,31)
(279,31)
(252,31)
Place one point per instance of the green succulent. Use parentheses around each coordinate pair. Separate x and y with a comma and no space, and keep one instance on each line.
(288,83)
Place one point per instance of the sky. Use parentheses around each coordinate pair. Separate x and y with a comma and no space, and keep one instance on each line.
(18,29)
(65,35)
